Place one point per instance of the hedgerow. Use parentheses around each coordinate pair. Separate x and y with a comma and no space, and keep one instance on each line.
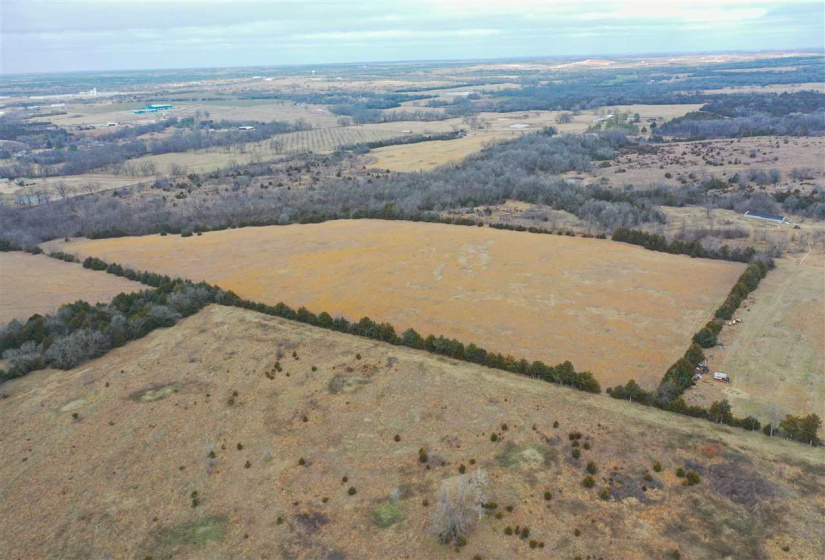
(140,313)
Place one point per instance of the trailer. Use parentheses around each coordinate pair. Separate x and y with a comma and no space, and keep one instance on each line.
(719,376)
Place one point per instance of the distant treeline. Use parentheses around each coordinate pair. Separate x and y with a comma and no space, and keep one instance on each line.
(590,89)
(755,114)
(694,249)
(75,161)
(525,169)
(80,331)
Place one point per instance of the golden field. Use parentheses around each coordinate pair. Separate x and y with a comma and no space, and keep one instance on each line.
(617,310)
(32,284)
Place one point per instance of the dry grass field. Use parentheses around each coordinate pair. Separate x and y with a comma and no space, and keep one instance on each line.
(424,156)
(776,356)
(188,443)
(32,284)
(75,185)
(719,158)
(614,309)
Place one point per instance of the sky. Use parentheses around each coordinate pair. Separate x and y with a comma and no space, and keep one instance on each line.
(73,35)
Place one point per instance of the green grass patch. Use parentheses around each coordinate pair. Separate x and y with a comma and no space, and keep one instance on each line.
(168,541)
(529,453)
(155,392)
(388,514)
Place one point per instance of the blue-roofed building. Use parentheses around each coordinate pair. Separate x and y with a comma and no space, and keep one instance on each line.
(775,218)
(153,109)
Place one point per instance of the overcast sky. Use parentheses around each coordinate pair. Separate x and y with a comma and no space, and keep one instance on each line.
(47,35)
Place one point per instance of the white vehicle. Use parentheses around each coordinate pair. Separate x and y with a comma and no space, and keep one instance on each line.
(719,376)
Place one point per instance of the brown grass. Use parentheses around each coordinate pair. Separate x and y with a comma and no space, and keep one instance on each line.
(117,481)
(617,310)
(39,284)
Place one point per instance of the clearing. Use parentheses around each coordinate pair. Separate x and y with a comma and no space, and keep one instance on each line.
(32,284)
(776,355)
(617,310)
(190,443)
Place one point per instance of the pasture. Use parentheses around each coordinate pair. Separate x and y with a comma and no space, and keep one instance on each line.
(617,310)
(776,355)
(190,443)
(32,284)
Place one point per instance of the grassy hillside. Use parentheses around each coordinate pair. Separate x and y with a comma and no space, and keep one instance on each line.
(235,434)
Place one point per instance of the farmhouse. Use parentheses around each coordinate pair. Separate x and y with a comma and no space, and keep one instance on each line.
(775,218)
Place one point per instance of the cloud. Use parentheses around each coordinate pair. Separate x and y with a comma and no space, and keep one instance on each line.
(122,34)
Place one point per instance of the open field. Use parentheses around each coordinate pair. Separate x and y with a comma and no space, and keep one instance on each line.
(720,158)
(74,184)
(86,114)
(776,356)
(501,126)
(619,311)
(183,447)
(32,284)
(427,155)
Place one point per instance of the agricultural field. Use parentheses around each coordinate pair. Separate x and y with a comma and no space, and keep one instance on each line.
(776,355)
(493,127)
(32,284)
(617,310)
(86,114)
(193,443)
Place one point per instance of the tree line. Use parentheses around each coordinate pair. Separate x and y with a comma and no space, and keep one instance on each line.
(679,377)
(81,331)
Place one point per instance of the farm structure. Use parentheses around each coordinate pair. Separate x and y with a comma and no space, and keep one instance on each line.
(153,109)
(775,218)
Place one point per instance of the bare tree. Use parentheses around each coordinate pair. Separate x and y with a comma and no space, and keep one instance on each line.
(564,117)
(459,507)
(176,169)
(344,121)
(61,188)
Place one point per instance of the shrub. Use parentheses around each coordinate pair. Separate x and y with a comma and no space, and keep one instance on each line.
(556,424)
(508,530)
(504,427)
(422,456)
(533,544)
(462,469)
(548,495)
(577,532)
(397,437)
(604,494)
(588,482)
(494,437)
(576,453)
(680,472)
(302,461)
(352,491)
(592,468)
(692,478)
(657,466)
